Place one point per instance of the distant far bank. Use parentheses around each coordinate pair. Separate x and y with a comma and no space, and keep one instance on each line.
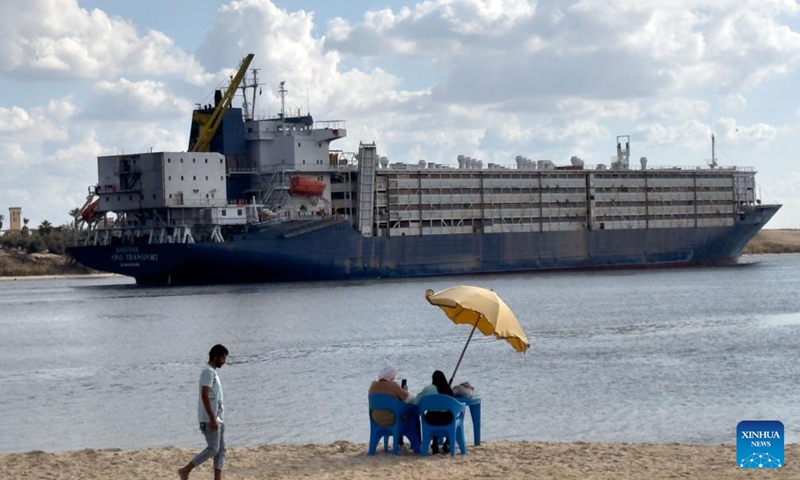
(774,241)
(17,263)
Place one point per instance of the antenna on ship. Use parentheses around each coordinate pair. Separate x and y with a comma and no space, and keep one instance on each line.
(282,91)
(250,107)
(713,151)
(255,86)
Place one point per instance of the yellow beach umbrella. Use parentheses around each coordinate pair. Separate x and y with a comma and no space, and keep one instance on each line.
(482,309)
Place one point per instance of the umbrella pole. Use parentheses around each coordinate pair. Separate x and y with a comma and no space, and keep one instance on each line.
(462,353)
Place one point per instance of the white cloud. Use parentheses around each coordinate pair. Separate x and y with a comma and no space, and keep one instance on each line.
(56,39)
(691,134)
(14,119)
(124,100)
(736,134)
(678,109)
(735,101)
(39,124)
(47,186)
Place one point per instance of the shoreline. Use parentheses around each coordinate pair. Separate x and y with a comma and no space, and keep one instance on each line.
(502,459)
(60,276)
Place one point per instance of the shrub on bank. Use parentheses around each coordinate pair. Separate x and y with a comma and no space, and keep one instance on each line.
(53,241)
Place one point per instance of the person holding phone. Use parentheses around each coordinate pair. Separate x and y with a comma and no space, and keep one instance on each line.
(386,384)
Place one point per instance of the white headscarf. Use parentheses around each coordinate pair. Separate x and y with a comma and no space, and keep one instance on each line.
(387,373)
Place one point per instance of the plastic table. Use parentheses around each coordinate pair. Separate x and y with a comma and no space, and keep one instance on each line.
(474,405)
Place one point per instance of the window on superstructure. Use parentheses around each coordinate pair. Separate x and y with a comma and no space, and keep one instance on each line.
(181,160)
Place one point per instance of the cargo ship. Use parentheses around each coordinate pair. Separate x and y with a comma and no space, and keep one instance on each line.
(268,199)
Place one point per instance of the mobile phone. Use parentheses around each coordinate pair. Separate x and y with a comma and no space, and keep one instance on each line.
(403,383)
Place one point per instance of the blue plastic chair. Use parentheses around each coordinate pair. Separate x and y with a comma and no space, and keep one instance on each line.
(454,430)
(409,427)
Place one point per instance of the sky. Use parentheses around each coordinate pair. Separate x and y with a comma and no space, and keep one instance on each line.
(490,79)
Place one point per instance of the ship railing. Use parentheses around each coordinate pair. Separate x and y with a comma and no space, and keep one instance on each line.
(243,170)
(194,203)
(331,124)
(155,235)
(633,167)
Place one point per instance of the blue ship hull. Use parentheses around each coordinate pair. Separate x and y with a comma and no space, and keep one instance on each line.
(325,250)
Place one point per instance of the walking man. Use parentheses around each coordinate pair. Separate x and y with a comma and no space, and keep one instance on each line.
(209,412)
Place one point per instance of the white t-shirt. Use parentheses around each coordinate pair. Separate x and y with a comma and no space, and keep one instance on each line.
(209,378)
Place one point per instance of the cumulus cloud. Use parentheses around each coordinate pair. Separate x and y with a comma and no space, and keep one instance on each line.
(39,124)
(125,100)
(47,186)
(57,39)
(690,134)
(741,134)
(589,48)
(677,109)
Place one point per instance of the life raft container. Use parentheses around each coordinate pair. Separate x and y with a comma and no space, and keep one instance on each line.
(306,186)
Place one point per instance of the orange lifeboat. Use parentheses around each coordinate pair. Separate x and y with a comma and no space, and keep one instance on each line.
(90,210)
(306,186)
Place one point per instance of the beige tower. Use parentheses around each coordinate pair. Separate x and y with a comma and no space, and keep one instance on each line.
(15,218)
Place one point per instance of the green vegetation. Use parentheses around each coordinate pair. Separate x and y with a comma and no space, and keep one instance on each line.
(39,252)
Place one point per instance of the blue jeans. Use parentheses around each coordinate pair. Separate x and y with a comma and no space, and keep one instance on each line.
(215,446)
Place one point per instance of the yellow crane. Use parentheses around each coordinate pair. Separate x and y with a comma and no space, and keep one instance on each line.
(209,123)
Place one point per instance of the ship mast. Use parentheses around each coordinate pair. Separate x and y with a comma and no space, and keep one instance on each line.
(255,84)
(713,152)
(282,91)
(250,107)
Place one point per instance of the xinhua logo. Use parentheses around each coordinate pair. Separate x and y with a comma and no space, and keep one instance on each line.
(759,444)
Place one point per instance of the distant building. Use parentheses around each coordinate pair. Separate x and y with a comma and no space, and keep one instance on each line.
(15,218)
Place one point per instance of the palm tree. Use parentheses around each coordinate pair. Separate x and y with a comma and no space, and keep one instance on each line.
(25,226)
(74,214)
(45,227)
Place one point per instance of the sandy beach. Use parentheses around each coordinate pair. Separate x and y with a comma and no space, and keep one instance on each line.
(591,461)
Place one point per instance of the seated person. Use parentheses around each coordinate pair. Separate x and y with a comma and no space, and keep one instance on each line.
(438,385)
(386,384)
